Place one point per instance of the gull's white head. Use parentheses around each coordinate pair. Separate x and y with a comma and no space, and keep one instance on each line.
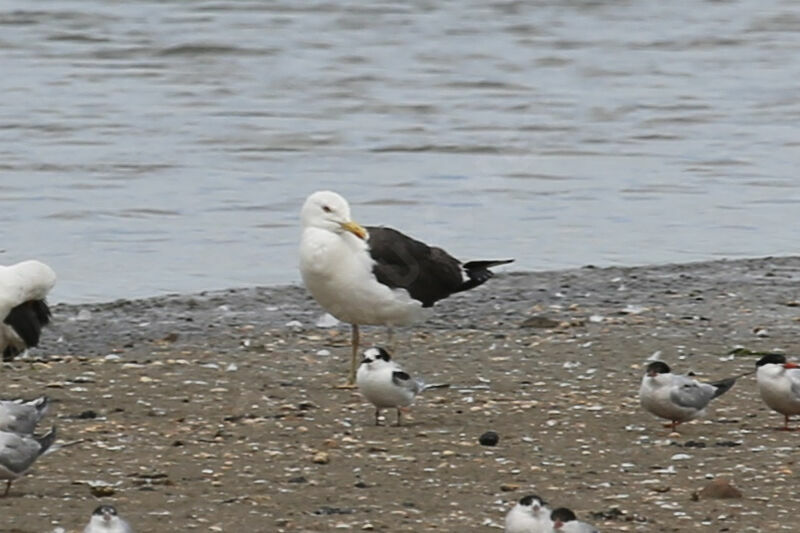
(329,211)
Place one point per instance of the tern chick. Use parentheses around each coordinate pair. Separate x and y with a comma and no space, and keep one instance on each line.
(386,385)
(106,520)
(529,515)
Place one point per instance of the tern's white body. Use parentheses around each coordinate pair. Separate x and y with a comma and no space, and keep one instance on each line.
(575,526)
(375,381)
(780,388)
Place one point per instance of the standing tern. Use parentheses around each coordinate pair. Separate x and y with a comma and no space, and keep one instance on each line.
(386,385)
(779,385)
(19,452)
(678,398)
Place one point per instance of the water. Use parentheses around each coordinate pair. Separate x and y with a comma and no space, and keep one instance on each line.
(167,147)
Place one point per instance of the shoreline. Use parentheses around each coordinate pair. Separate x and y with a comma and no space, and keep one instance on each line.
(518,295)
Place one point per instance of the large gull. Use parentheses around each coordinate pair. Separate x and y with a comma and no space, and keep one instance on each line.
(23,309)
(375,275)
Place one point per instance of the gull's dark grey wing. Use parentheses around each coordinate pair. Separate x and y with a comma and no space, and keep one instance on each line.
(428,273)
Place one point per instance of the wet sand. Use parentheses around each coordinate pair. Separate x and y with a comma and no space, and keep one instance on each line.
(219,412)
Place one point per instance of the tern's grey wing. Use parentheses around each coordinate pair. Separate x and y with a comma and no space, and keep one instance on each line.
(402,379)
(794,377)
(687,392)
(18,452)
(125,526)
(21,417)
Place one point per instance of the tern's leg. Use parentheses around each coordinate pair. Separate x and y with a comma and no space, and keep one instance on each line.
(351,380)
(390,340)
(377,417)
(398,416)
(8,488)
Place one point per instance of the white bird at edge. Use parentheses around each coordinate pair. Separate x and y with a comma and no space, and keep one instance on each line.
(676,397)
(779,385)
(375,275)
(386,385)
(23,308)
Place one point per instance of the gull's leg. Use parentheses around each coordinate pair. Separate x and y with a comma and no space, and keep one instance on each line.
(351,380)
(398,416)
(8,487)
(390,340)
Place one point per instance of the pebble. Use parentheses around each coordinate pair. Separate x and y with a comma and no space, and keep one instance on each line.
(721,489)
(539,321)
(490,438)
(327,321)
(321,458)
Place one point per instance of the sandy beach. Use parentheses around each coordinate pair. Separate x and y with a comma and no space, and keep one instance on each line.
(219,411)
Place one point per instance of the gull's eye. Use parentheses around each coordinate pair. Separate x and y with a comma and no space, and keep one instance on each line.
(326,209)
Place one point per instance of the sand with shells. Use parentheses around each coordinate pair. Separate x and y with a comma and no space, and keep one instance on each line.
(220,412)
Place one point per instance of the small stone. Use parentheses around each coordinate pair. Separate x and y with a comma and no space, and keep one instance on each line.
(321,458)
(539,321)
(719,489)
(100,491)
(490,438)
(509,487)
(327,321)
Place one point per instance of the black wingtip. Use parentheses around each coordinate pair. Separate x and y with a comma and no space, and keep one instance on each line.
(478,272)
(47,440)
(482,265)
(42,403)
(723,386)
